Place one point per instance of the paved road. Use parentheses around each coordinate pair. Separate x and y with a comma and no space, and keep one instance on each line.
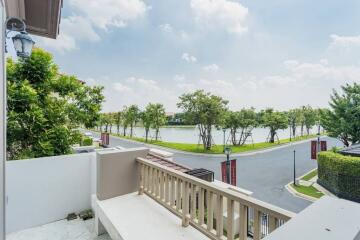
(265,174)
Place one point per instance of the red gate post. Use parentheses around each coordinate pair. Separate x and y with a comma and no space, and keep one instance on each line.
(233,172)
(314,149)
(105,139)
(323,146)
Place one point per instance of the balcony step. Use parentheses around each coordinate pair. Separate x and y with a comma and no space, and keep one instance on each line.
(134,217)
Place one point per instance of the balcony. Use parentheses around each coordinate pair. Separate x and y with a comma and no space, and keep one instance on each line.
(216,211)
(137,195)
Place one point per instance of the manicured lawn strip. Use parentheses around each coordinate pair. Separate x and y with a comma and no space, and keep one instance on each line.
(217,149)
(310,175)
(310,191)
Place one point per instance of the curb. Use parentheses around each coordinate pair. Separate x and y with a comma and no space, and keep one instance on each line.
(299,195)
(306,173)
(217,155)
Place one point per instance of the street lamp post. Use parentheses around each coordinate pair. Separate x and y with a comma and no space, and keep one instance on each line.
(294,168)
(318,138)
(227,152)
(224,131)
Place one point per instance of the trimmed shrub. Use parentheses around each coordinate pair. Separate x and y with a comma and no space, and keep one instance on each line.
(340,174)
(87,141)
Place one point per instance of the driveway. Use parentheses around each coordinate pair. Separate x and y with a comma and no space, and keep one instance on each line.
(264,173)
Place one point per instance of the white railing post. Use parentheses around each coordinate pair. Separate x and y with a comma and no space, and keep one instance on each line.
(201,206)
(141,178)
(219,216)
(185,207)
(230,219)
(257,224)
(183,195)
(243,214)
(210,211)
(272,223)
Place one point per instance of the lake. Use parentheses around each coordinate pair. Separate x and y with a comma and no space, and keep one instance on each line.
(191,134)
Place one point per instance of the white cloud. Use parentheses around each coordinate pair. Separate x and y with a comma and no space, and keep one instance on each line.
(120,87)
(179,78)
(186,87)
(250,85)
(213,68)
(290,64)
(188,58)
(137,90)
(220,13)
(166,28)
(73,29)
(93,14)
(277,81)
(344,41)
(111,13)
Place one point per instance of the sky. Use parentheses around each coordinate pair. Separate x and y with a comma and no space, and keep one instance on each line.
(254,53)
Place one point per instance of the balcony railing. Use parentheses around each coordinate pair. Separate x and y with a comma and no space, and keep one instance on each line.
(217,212)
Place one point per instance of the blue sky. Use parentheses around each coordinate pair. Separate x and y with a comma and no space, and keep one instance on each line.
(278,53)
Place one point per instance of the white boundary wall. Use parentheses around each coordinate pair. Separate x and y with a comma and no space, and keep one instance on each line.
(44,190)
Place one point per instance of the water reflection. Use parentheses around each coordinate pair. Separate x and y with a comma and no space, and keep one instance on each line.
(191,134)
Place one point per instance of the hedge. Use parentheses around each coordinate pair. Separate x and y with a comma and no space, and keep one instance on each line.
(87,141)
(340,174)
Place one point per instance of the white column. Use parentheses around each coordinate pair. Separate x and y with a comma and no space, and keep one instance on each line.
(2,120)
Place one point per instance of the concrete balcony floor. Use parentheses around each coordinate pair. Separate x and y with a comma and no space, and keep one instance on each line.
(60,230)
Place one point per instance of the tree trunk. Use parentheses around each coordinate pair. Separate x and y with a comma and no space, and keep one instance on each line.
(131,130)
(156,134)
(118,129)
(272,136)
(233,136)
(208,145)
(124,131)
(293,130)
(146,134)
(302,129)
(241,137)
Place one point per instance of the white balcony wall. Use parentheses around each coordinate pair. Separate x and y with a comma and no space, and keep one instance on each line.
(46,189)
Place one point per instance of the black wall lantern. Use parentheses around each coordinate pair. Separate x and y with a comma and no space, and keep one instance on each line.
(23,43)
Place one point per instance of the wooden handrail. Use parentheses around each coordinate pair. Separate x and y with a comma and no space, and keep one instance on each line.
(202,204)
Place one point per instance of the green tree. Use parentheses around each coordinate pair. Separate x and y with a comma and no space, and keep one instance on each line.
(274,120)
(294,117)
(206,111)
(45,108)
(302,120)
(241,124)
(146,119)
(309,118)
(342,120)
(106,121)
(118,119)
(132,117)
(158,118)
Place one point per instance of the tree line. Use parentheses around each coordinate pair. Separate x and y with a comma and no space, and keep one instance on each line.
(208,111)
(152,117)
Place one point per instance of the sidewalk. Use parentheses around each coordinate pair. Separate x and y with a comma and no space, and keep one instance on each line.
(308,183)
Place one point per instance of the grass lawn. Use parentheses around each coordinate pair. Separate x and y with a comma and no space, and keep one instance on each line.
(310,191)
(217,149)
(310,175)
